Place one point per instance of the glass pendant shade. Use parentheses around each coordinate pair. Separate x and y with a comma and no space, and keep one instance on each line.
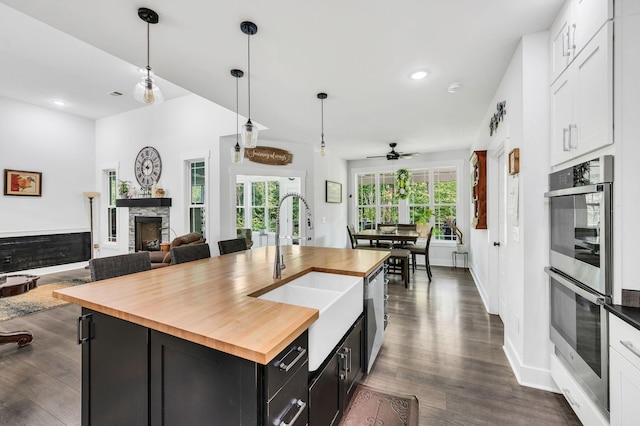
(249,135)
(147,92)
(237,154)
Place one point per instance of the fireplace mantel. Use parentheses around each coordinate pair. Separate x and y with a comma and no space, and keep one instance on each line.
(143,202)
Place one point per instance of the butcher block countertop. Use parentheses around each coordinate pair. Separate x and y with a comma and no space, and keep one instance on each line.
(213,301)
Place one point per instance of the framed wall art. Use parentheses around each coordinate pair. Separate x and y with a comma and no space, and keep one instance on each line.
(20,182)
(334,192)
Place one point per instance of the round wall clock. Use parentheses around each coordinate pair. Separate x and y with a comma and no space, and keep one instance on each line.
(148,166)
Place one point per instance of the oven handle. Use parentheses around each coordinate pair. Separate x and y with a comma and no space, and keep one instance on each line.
(587,189)
(596,298)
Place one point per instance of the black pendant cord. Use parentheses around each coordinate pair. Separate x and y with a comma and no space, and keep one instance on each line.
(148,55)
(237,116)
(249,70)
(322,119)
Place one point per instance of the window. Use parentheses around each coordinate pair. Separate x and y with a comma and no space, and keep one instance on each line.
(432,200)
(112,217)
(265,196)
(240,205)
(197,179)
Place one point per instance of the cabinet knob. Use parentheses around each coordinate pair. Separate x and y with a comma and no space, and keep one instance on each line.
(496,243)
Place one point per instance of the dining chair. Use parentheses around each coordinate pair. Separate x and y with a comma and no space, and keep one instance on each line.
(422,249)
(398,263)
(189,253)
(103,268)
(232,246)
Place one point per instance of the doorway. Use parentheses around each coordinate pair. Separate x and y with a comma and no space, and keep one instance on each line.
(256,208)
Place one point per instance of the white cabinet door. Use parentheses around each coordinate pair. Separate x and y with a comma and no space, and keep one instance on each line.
(592,127)
(561,117)
(581,101)
(624,391)
(588,16)
(559,35)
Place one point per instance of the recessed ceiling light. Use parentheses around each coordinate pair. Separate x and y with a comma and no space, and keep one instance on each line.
(419,75)
(58,102)
(454,87)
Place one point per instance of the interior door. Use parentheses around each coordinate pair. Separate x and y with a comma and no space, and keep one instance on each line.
(502,223)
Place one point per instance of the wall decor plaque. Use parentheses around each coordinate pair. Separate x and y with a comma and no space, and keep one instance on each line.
(268,155)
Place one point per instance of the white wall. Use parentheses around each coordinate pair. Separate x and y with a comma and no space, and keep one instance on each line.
(330,218)
(526,126)
(185,128)
(439,251)
(60,146)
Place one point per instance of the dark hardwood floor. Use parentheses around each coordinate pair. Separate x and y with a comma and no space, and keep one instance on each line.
(440,345)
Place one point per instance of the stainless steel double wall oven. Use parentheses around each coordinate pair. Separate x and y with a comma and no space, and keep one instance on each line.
(580,199)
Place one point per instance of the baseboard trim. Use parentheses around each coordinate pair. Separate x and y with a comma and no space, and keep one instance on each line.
(532,377)
(483,294)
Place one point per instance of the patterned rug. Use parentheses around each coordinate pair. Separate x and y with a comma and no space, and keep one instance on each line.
(370,406)
(38,299)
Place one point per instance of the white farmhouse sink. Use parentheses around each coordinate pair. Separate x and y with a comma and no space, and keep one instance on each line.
(339,299)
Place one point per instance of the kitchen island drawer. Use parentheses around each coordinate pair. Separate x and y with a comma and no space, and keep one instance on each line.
(290,406)
(287,363)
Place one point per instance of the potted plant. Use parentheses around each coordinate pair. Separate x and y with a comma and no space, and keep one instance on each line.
(123,188)
(458,233)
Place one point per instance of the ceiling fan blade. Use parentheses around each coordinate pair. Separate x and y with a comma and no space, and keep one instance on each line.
(409,154)
(376,156)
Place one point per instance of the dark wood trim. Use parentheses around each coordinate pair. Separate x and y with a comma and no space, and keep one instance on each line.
(143,202)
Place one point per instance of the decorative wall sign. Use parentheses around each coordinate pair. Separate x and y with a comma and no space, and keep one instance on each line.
(514,161)
(497,117)
(334,192)
(268,155)
(19,182)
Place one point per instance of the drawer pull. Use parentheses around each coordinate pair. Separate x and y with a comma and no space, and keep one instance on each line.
(295,403)
(630,346)
(286,367)
(567,395)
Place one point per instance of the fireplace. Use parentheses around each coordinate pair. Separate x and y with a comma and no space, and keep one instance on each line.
(148,233)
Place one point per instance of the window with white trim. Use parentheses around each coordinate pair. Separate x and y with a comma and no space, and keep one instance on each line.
(432,200)
(197,201)
(112,215)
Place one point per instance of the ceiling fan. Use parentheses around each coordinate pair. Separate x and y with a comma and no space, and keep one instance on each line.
(393,154)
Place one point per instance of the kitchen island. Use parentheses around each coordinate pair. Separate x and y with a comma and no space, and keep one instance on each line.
(210,306)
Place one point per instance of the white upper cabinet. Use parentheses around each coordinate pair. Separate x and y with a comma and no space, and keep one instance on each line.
(576,24)
(582,101)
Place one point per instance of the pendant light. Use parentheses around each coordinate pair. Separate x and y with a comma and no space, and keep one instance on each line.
(249,130)
(322,97)
(237,152)
(147,91)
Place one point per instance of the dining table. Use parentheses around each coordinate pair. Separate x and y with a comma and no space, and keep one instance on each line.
(397,235)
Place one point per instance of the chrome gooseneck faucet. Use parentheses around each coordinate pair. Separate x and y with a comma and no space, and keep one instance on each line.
(278,264)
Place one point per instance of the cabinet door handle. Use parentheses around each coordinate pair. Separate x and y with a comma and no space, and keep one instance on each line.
(295,403)
(286,367)
(83,339)
(564,139)
(572,46)
(627,344)
(571,146)
(567,394)
(565,42)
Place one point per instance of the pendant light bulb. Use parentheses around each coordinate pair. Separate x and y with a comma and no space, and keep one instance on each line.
(323,147)
(249,130)
(237,152)
(146,91)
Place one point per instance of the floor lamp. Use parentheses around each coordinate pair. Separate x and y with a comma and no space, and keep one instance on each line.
(91,196)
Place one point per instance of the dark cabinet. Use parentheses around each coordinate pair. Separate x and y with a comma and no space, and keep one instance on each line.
(479,189)
(114,370)
(134,375)
(333,384)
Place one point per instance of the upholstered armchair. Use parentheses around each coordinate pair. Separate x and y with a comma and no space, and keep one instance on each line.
(163,258)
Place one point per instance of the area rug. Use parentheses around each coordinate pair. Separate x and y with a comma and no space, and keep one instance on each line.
(38,299)
(371,406)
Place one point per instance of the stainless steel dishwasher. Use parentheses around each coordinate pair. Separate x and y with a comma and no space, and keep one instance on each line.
(374,305)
